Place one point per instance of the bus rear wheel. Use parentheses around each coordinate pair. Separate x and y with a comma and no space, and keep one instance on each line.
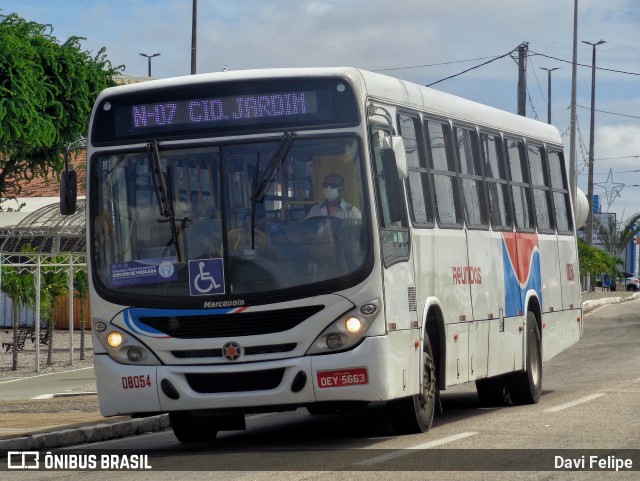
(525,387)
(414,414)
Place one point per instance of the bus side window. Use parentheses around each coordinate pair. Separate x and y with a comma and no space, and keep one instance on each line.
(443,170)
(561,204)
(496,181)
(418,184)
(394,233)
(540,189)
(471,177)
(520,189)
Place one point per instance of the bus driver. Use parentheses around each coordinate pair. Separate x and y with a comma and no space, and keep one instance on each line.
(334,205)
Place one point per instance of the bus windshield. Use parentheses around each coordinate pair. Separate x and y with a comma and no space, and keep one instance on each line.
(228,219)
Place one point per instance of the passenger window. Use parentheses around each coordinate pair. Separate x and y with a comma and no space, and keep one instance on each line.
(419,191)
(496,181)
(540,189)
(561,204)
(444,174)
(471,177)
(520,189)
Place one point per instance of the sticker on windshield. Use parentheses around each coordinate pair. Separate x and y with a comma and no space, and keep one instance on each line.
(146,271)
(206,277)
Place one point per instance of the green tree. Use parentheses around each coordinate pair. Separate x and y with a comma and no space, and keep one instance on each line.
(81,285)
(19,287)
(595,261)
(47,90)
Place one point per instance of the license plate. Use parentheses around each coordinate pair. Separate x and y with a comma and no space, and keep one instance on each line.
(343,377)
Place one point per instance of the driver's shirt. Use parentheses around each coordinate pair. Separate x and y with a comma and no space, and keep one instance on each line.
(344,211)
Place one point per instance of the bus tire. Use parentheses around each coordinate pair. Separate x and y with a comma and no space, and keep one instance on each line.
(414,414)
(193,429)
(525,387)
(493,391)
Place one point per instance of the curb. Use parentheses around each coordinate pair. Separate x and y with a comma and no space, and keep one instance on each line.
(87,434)
(593,303)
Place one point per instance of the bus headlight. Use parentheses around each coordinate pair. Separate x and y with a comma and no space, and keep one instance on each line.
(114,339)
(122,347)
(345,332)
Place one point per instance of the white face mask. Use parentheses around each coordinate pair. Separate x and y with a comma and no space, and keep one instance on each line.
(330,194)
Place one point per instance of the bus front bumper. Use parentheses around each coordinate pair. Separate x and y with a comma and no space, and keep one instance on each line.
(361,374)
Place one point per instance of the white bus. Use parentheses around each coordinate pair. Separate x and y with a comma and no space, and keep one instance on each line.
(325,238)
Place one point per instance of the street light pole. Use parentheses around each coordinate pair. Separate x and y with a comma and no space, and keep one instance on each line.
(549,70)
(591,141)
(194,36)
(149,57)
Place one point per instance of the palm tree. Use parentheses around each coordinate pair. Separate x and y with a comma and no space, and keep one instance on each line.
(617,236)
(53,284)
(19,287)
(81,284)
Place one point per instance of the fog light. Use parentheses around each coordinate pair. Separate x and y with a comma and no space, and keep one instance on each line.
(134,354)
(114,339)
(334,341)
(353,324)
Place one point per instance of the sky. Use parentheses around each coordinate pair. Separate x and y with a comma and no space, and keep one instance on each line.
(423,41)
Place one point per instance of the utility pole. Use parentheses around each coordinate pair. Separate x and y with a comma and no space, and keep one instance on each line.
(194,36)
(573,170)
(549,70)
(591,141)
(522,79)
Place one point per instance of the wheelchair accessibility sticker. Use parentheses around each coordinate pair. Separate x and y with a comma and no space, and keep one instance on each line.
(206,277)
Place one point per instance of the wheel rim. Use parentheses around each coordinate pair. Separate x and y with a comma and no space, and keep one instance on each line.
(535,360)
(428,383)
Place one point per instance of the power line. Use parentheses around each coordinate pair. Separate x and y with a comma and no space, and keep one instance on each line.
(611,113)
(584,65)
(473,68)
(429,64)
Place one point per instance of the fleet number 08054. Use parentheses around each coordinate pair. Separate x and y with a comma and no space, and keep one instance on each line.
(136,382)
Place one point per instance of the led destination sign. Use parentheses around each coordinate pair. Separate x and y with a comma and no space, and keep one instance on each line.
(224,109)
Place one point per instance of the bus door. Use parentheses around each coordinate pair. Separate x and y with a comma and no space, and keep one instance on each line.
(397,272)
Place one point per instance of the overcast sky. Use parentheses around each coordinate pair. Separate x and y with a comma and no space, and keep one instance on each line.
(419,40)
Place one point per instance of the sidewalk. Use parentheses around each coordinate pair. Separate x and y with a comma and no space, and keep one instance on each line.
(73,418)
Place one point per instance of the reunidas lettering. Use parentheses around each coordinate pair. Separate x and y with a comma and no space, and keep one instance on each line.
(231,303)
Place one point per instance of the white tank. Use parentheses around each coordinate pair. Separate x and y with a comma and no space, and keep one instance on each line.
(580,208)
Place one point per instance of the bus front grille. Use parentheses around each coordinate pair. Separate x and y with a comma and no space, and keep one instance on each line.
(235,382)
(231,325)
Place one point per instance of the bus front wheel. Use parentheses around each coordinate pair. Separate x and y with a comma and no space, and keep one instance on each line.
(414,414)
(189,428)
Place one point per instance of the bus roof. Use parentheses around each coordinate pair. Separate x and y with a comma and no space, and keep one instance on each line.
(382,88)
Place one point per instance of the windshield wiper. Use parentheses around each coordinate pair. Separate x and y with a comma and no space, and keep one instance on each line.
(260,184)
(161,185)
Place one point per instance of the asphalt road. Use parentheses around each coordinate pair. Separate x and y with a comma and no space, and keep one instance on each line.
(45,384)
(590,406)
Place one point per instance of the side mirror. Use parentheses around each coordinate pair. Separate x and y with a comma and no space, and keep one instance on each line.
(68,192)
(396,144)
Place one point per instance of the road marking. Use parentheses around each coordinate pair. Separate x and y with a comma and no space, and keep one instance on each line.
(409,450)
(47,374)
(570,404)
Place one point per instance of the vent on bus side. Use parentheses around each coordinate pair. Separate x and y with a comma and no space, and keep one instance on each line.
(411,291)
(231,325)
